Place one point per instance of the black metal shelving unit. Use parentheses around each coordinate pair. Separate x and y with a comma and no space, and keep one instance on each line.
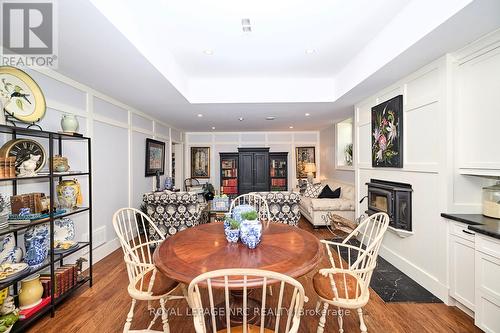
(54,258)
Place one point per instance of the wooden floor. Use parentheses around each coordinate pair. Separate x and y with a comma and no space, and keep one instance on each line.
(104,307)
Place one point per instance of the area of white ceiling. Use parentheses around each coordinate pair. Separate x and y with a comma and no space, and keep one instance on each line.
(137,63)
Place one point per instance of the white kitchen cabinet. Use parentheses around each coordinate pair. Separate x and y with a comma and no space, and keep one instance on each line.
(462,256)
(477,109)
(487,261)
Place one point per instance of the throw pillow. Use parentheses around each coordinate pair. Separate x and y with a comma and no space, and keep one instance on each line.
(327,193)
(313,190)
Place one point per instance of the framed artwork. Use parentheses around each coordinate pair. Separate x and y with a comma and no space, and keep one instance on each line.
(155,157)
(200,162)
(387,133)
(304,155)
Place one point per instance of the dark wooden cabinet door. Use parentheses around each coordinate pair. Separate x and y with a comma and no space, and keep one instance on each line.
(261,172)
(245,169)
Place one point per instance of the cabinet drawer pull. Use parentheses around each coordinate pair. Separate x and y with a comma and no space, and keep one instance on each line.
(468,232)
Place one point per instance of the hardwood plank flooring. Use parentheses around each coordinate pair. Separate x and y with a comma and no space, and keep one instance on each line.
(104,307)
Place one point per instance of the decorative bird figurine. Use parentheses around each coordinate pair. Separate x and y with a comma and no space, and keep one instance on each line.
(18,94)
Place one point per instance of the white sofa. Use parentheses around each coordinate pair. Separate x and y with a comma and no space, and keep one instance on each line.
(316,210)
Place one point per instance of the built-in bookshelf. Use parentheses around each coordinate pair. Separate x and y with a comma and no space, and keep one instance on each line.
(278,171)
(229,174)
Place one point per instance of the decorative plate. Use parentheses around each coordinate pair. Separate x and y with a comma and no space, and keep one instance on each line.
(64,230)
(8,271)
(20,96)
(60,247)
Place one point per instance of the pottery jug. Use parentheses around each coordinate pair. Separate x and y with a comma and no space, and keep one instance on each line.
(69,194)
(69,123)
(31,292)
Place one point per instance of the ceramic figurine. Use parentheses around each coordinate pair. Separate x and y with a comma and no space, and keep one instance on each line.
(60,163)
(36,241)
(28,167)
(8,306)
(69,123)
(69,194)
(31,292)
(10,253)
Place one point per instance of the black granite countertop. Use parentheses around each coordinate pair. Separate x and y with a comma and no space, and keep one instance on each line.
(478,223)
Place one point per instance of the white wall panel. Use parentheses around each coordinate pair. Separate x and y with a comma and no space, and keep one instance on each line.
(421,146)
(424,88)
(226,137)
(109,110)
(199,138)
(162,130)
(306,137)
(110,174)
(176,135)
(390,93)
(364,145)
(253,137)
(57,91)
(142,122)
(279,137)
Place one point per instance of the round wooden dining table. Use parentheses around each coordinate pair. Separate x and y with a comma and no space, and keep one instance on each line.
(284,249)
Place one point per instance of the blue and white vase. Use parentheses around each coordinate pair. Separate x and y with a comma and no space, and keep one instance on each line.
(9,252)
(37,242)
(232,235)
(251,233)
(238,210)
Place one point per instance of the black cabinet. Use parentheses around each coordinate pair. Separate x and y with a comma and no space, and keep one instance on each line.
(253,169)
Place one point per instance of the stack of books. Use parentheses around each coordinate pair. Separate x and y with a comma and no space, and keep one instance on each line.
(26,313)
(7,167)
(66,278)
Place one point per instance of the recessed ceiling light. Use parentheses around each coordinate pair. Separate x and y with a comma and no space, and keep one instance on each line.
(247,29)
(208,52)
(308,114)
(240,118)
(270,118)
(213,127)
(200,115)
(310,51)
(290,127)
(245,21)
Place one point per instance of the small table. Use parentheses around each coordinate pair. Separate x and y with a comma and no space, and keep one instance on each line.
(284,249)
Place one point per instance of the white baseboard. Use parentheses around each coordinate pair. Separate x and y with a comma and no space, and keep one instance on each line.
(105,249)
(425,279)
(101,251)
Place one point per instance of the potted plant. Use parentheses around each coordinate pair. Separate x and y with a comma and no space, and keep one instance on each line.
(250,229)
(232,230)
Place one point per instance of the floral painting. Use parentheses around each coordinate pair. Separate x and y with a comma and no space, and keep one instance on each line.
(387,133)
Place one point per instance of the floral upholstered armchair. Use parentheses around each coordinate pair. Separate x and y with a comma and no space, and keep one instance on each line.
(173,211)
(283,206)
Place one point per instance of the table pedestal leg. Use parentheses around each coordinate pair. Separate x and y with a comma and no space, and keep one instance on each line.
(253,309)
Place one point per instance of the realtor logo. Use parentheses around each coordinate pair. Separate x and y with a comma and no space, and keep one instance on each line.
(28,33)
